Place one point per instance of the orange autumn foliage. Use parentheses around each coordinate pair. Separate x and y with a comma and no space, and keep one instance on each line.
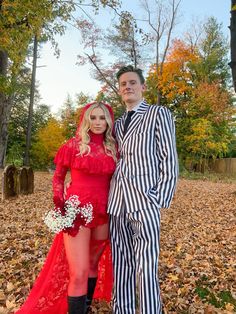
(203,108)
(176,77)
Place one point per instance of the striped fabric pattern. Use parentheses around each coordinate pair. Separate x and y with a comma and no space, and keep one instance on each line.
(147,170)
(144,181)
(135,251)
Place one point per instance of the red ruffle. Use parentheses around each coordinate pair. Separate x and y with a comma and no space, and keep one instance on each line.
(97,162)
(66,153)
(95,165)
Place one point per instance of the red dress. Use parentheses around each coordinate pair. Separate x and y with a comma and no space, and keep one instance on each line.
(90,178)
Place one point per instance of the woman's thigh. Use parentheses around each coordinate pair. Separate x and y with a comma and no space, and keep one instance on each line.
(100,232)
(77,250)
(99,238)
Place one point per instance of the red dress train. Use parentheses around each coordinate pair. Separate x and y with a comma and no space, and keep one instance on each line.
(90,178)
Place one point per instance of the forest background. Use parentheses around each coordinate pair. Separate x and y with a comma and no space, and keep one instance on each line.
(188,73)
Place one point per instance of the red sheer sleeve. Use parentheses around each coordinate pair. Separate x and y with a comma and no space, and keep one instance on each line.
(63,160)
(58,184)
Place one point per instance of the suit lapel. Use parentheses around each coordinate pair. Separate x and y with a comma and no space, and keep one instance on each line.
(136,119)
(120,127)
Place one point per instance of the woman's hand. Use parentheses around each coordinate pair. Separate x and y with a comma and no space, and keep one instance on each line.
(58,202)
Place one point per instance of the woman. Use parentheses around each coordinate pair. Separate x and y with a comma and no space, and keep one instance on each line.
(80,213)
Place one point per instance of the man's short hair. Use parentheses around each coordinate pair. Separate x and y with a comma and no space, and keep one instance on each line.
(130,68)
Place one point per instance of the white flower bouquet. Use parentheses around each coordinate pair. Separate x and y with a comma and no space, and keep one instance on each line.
(56,221)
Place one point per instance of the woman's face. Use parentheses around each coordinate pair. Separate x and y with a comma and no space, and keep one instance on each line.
(98,123)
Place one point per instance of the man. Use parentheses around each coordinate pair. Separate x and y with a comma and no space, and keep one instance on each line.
(143,183)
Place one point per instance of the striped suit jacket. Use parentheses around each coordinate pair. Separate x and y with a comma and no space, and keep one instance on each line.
(147,170)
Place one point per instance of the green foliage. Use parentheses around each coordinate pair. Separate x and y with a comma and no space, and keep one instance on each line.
(70,113)
(68,118)
(219,300)
(203,139)
(15,154)
(194,86)
(82,99)
(232,148)
(21,20)
(205,131)
(17,128)
(213,51)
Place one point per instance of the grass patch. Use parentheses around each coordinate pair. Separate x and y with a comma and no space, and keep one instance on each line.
(207,176)
(219,300)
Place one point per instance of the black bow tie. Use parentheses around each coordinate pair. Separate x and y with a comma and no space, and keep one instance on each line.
(127,120)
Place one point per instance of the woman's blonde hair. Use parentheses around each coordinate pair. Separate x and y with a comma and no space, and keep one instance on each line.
(83,132)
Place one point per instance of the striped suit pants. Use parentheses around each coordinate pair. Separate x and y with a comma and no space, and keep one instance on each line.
(135,251)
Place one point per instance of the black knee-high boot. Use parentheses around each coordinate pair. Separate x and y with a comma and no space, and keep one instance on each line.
(76,305)
(91,287)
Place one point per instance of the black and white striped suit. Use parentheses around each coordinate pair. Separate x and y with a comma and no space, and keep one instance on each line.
(144,182)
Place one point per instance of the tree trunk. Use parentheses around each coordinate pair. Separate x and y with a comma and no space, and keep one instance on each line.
(158,102)
(5,108)
(233,41)
(31,105)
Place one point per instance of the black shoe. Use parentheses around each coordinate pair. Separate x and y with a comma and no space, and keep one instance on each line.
(91,287)
(76,305)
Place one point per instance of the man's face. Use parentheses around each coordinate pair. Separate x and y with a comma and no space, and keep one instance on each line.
(130,88)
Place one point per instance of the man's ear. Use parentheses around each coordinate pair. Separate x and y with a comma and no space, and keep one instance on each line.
(144,87)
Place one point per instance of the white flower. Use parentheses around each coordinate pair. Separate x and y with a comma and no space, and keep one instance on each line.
(57,222)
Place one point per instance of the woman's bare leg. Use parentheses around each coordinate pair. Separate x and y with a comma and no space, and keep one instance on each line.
(77,251)
(99,237)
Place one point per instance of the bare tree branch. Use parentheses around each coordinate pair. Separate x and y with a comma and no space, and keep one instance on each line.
(102,75)
(164,22)
(173,17)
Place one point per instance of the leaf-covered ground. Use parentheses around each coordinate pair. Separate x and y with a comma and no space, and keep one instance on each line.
(198,247)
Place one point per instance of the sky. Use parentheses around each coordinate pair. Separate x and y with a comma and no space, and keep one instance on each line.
(60,77)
